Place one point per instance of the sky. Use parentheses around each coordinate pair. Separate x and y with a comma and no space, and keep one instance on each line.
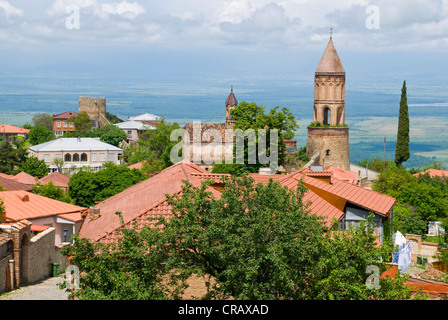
(34,33)
(379,41)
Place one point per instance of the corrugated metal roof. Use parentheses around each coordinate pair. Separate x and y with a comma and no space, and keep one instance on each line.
(74,144)
(134,125)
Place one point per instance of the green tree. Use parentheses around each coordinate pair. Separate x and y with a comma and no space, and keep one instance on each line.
(406,219)
(376,164)
(44,120)
(261,242)
(253,242)
(2,208)
(392,181)
(49,190)
(11,158)
(81,122)
(129,270)
(87,187)
(153,148)
(40,134)
(402,148)
(251,116)
(34,167)
(113,135)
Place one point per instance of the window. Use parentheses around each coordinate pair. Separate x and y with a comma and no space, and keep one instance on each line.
(58,133)
(129,133)
(58,156)
(102,157)
(111,157)
(64,123)
(93,157)
(46,157)
(71,124)
(68,157)
(58,123)
(83,157)
(76,157)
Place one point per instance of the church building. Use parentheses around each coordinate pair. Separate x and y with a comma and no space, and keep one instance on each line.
(328,141)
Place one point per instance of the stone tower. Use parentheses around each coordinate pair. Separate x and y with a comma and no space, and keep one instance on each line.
(95,108)
(231,103)
(328,135)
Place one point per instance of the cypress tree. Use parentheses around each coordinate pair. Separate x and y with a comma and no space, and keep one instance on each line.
(402,148)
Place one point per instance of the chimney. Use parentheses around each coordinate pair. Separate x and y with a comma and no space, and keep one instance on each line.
(94,213)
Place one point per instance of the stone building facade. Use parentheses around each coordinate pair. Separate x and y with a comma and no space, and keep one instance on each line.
(328,136)
(95,108)
(26,258)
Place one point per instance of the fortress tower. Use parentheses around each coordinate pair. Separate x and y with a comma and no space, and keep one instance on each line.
(231,103)
(328,135)
(95,108)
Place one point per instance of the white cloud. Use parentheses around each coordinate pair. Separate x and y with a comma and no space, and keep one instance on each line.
(125,9)
(10,10)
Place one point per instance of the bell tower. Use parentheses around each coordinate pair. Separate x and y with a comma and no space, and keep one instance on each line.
(231,103)
(328,134)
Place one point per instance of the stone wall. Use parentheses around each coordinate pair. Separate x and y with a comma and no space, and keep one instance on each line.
(421,248)
(94,106)
(332,144)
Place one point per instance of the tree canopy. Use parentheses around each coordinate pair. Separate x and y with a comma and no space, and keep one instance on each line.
(253,242)
(35,167)
(402,148)
(87,187)
(39,134)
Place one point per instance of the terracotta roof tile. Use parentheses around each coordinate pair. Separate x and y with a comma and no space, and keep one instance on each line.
(25,178)
(7,128)
(11,184)
(58,179)
(433,173)
(26,205)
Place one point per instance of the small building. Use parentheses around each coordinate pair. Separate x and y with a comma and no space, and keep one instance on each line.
(147,118)
(9,182)
(58,179)
(134,129)
(12,133)
(42,213)
(76,153)
(61,123)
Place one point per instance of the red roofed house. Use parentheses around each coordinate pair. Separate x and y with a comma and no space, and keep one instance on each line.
(61,123)
(60,180)
(8,182)
(11,133)
(346,203)
(42,211)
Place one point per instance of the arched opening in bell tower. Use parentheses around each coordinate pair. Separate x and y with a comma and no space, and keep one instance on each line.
(327,115)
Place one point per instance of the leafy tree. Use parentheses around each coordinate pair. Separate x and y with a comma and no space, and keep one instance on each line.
(81,122)
(10,158)
(260,242)
(87,187)
(392,181)
(402,148)
(40,134)
(34,167)
(49,190)
(112,118)
(431,203)
(406,219)
(376,164)
(153,148)
(2,208)
(44,120)
(253,242)
(113,135)
(251,116)
(129,270)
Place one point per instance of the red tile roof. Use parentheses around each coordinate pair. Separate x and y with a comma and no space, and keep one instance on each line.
(434,173)
(142,199)
(7,128)
(343,175)
(26,205)
(148,198)
(58,179)
(25,178)
(11,184)
(65,115)
(354,194)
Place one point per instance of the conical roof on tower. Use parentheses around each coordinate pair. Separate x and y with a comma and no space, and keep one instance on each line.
(231,100)
(330,62)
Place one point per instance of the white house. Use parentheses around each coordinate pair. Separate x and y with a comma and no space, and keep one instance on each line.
(134,129)
(76,153)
